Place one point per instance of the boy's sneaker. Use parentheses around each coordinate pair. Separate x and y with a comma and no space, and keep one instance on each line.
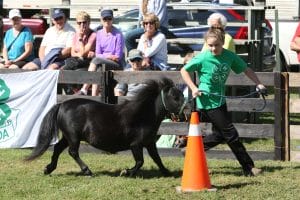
(254,172)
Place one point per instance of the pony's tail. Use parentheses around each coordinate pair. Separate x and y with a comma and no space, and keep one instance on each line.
(48,130)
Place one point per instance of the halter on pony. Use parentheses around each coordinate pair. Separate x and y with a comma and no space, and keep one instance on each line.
(175,117)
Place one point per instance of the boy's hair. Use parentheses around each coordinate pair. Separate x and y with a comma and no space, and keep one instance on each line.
(215,32)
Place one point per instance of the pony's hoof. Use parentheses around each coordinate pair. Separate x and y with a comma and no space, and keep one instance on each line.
(166,173)
(87,172)
(47,171)
(124,172)
(127,172)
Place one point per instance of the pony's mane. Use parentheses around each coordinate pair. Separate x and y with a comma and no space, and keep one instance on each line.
(152,90)
(147,95)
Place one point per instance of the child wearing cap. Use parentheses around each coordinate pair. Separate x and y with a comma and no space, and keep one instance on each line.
(134,59)
(18,43)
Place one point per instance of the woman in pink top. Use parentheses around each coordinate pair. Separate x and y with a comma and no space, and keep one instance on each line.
(84,42)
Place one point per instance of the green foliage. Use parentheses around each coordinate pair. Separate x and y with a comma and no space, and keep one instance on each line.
(21,180)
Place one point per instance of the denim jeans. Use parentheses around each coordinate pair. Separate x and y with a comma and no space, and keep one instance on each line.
(224,131)
(109,64)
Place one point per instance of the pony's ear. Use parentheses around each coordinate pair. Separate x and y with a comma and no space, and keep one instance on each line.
(166,82)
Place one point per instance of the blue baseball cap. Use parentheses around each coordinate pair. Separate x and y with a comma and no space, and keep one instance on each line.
(107,13)
(57,13)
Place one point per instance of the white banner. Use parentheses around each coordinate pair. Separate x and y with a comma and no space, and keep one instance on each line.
(24,100)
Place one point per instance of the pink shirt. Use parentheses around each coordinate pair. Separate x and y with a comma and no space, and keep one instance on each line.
(90,40)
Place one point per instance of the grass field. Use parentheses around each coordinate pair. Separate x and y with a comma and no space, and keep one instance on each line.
(19,180)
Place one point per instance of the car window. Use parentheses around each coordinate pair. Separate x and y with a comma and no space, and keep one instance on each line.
(132,14)
(192,18)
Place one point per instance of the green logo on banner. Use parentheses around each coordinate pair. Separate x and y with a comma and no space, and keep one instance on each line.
(8,116)
(5,110)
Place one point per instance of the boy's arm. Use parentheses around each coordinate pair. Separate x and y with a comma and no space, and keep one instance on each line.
(188,80)
(252,75)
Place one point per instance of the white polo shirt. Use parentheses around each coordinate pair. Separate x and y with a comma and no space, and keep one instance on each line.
(54,38)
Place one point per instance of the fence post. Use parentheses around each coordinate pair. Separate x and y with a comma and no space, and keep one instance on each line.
(281,114)
(109,86)
(103,87)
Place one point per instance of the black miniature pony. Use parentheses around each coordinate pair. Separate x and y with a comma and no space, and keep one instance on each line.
(130,125)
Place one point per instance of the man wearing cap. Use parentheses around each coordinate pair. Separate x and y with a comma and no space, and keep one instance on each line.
(18,43)
(109,50)
(56,44)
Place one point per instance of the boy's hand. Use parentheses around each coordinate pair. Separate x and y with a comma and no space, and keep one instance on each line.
(196,92)
(261,89)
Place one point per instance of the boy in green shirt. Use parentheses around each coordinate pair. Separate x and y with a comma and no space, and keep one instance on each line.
(213,67)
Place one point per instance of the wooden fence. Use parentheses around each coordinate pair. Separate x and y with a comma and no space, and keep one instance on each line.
(277,104)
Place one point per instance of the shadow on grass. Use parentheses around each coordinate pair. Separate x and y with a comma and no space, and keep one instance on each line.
(143,173)
(235,186)
(226,170)
(237,171)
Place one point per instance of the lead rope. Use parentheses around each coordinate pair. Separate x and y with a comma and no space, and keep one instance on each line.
(257,91)
(163,99)
(263,94)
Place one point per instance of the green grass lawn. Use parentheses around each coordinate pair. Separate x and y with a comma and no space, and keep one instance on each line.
(19,180)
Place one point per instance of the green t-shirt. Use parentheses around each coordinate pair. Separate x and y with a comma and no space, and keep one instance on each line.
(213,72)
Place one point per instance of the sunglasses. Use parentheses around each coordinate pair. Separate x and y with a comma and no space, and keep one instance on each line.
(107,18)
(83,22)
(151,23)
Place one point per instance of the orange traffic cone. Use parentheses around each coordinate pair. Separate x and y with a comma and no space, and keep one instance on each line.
(195,172)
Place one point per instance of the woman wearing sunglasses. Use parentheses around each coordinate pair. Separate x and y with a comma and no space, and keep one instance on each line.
(153,44)
(84,42)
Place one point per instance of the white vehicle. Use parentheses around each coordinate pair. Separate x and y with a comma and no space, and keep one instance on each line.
(288,18)
(286,33)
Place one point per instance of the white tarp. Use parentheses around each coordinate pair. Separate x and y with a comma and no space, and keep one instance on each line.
(24,100)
